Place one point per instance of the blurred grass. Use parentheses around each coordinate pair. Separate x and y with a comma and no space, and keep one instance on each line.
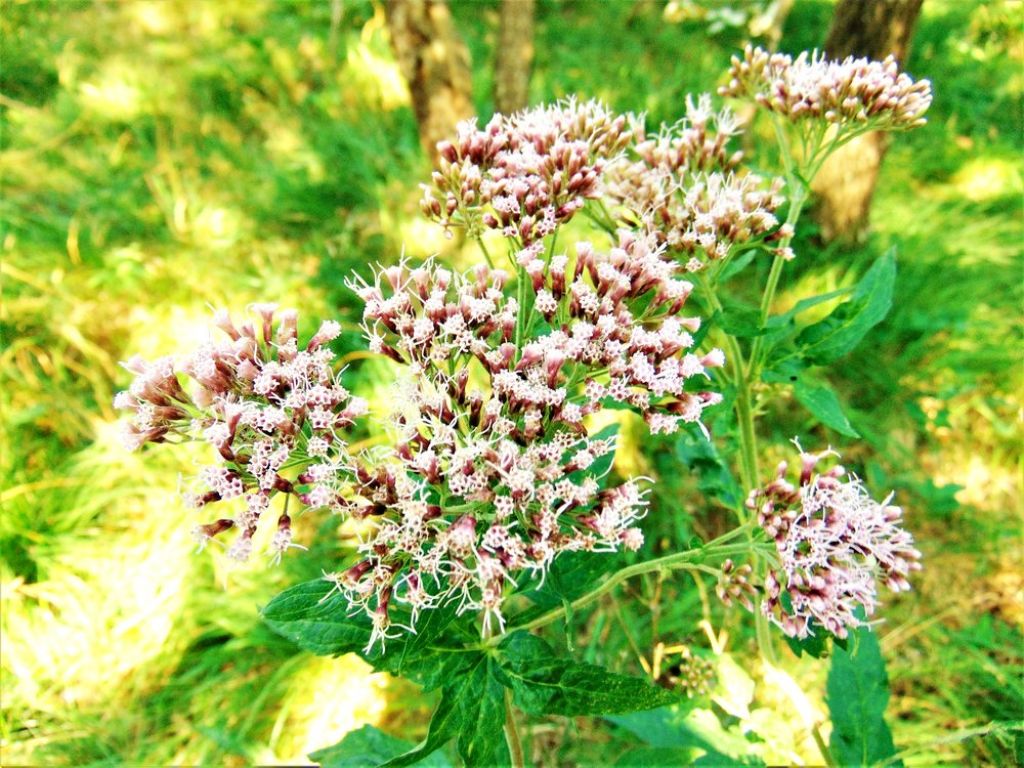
(159,157)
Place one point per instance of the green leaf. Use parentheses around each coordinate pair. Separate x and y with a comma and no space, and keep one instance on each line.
(857,695)
(658,757)
(314,616)
(546,684)
(785,371)
(481,710)
(678,727)
(602,465)
(737,264)
(784,320)
(814,645)
(368,747)
(824,405)
(472,711)
(740,321)
(715,478)
(570,575)
(842,330)
(316,620)
(444,726)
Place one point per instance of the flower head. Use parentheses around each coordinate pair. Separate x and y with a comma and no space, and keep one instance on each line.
(685,182)
(854,92)
(263,403)
(834,542)
(527,173)
(495,475)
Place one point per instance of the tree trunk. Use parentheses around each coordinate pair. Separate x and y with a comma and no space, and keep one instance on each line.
(846,183)
(435,62)
(514,56)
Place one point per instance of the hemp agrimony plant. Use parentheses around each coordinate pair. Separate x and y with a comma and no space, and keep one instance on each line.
(486,515)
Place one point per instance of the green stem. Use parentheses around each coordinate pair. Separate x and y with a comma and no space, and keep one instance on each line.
(520,307)
(679,560)
(764,637)
(744,405)
(749,472)
(826,754)
(515,746)
(483,249)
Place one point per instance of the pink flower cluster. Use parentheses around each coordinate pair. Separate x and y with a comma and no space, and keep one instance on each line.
(525,174)
(684,181)
(833,542)
(852,92)
(494,470)
(496,474)
(264,404)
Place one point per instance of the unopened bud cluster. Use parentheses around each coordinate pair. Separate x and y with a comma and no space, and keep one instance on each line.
(525,174)
(734,585)
(686,182)
(834,542)
(692,674)
(854,92)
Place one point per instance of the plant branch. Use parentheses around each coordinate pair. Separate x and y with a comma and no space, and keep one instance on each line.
(679,560)
(483,249)
(515,746)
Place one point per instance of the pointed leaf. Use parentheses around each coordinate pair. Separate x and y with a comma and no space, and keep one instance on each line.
(315,616)
(482,714)
(843,330)
(740,321)
(824,405)
(471,710)
(316,620)
(543,683)
(857,694)
(679,727)
(367,747)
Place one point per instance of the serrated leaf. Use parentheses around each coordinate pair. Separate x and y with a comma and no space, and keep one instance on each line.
(570,575)
(316,620)
(315,616)
(740,321)
(444,726)
(481,706)
(678,727)
(842,330)
(543,683)
(824,405)
(472,711)
(658,757)
(367,747)
(857,695)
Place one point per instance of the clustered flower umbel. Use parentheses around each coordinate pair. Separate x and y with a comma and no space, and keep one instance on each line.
(264,404)
(494,470)
(527,173)
(849,93)
(686,182)
(511,448)
(833,542)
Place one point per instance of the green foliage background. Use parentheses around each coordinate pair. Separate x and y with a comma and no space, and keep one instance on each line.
(159,157)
